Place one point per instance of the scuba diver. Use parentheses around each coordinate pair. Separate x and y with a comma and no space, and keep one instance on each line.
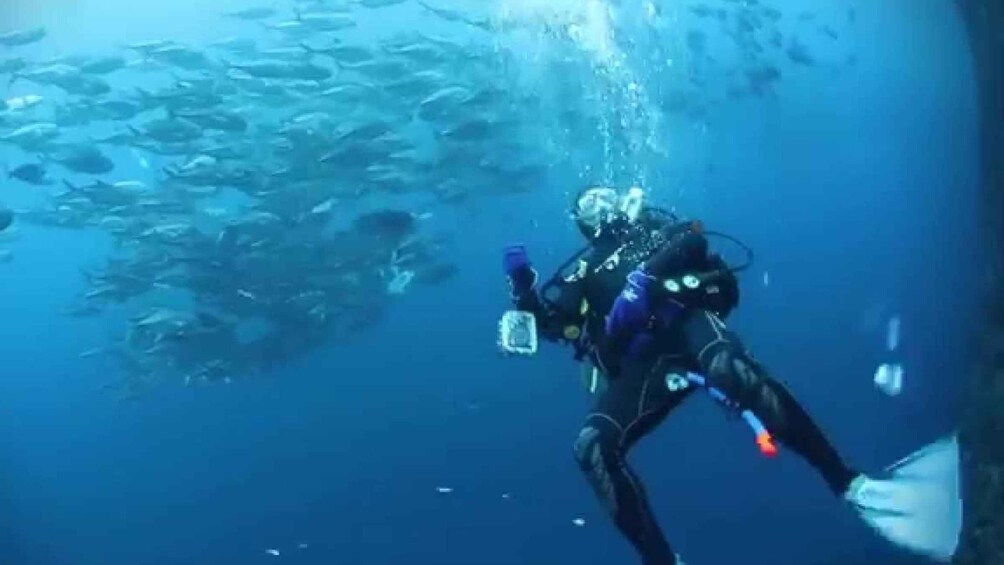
(644,308)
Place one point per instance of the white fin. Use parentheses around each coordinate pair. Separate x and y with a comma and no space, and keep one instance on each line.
(919,507)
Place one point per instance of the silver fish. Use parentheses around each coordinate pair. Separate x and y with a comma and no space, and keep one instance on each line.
(22,37)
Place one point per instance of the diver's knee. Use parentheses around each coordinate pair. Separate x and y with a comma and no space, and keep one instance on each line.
(584,445)
(597,453)
(732,371)
(593,446)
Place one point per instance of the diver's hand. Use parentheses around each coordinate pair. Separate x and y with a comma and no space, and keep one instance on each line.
(518,270)
(627,323)
(631,311)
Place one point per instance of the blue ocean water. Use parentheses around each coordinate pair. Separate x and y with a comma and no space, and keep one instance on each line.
(855,185)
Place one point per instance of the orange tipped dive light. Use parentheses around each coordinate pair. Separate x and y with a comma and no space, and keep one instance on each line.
(766,444)
(764,440)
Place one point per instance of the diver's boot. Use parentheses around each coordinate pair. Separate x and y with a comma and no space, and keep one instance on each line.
(919,505)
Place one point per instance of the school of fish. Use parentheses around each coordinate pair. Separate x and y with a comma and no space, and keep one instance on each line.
(255,186)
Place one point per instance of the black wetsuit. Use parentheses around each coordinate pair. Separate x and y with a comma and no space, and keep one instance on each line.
(634,400)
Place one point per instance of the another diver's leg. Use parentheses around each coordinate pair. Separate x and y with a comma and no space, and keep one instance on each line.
(729,367)
(632,405)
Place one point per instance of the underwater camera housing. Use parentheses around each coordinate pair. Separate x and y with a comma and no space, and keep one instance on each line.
(518,333)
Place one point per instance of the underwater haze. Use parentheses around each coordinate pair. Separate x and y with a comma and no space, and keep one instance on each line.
(251,291)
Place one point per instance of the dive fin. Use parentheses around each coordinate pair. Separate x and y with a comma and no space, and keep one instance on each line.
(919,506)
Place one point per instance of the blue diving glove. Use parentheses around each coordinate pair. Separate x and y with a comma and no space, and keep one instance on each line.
(518,270)
(630,319)
(631,311)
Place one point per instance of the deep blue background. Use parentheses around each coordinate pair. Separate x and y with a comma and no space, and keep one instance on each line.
(857,192)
